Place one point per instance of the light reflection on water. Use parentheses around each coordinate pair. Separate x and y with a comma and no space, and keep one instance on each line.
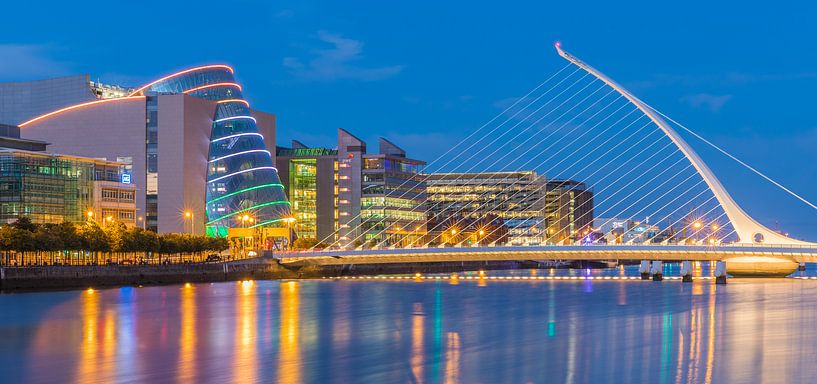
(473,331)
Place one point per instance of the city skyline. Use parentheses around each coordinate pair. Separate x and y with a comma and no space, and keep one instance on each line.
(425,92)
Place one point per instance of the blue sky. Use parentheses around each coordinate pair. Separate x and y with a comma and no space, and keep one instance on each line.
(425,74)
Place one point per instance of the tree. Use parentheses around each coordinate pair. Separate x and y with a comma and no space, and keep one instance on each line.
(24,223)
(94,238)
(47,239)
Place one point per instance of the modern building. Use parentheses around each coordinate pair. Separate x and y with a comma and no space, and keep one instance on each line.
(192,144)
(309,176)
(568,211)
(392,198)
(54,188)
(534,210)
(353,197)
(517,198)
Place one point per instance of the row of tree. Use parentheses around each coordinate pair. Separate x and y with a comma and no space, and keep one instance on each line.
(115,237)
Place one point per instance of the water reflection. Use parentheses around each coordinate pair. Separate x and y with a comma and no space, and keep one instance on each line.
(90,345)
(187,337)
(244,365)
(408,331)
(289,360)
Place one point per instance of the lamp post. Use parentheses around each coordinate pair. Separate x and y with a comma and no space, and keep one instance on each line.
(189,215)
(90,215)
(244,220)
(142,220)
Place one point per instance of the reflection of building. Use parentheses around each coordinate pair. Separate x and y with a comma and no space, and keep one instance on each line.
(52,188)
(190,136)
(309,177)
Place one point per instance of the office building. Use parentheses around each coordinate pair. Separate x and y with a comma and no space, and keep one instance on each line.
(189,140)
(517,198)
(359,197)
(55,188)
(568,211)
(534,210)
(309,176)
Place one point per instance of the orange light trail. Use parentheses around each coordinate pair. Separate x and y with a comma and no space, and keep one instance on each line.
(233,100)
(212,86)
(227,67)
(78,106)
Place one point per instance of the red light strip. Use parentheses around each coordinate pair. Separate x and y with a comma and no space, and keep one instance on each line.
(78,106)
(212,86)
(227,67)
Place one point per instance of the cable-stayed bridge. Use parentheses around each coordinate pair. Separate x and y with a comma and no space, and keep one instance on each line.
(583,126)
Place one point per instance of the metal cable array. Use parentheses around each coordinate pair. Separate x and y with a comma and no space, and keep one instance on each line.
(577,131)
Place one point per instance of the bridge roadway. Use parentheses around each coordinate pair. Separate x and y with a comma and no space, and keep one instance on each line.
(760,259)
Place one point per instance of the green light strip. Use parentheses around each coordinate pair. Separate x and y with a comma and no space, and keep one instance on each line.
(267,222)
(247,209)
(245,190)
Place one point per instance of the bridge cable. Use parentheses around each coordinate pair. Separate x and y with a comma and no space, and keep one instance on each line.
(475,165)
(485,125)
(749,167)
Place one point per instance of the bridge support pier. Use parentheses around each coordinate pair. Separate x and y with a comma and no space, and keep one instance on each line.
(657,271)
(720,272)
(644,269)
(686,271)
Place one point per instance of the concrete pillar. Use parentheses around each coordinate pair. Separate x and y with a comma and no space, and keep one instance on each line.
(720,272)
(657,271)
(644,269)
(686,271)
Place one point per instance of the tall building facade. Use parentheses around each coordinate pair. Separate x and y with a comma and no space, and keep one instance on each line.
(393,197)
(534,210)
(189,138)
(568,212)
(353,197)
(310,178)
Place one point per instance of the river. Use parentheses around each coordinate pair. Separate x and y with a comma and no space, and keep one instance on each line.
(474,330)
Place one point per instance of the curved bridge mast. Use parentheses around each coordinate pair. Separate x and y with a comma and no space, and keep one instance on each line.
(748,230)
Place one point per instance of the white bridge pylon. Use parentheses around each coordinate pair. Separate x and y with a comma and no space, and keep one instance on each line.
(747,229)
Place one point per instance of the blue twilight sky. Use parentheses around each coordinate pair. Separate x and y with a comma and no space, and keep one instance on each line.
(426,73)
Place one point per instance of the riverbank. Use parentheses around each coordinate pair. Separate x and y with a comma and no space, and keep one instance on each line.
(49,278)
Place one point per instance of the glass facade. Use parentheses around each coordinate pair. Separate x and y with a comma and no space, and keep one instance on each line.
(303,195)
(392,201)
(48,188)
(241,179)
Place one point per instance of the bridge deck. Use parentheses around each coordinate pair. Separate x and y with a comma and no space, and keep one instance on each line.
(549,252)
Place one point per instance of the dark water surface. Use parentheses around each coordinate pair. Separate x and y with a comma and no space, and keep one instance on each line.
(474,331)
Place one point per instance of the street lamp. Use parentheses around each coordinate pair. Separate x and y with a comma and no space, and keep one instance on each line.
(697,225)
(90,215)
(189,215)
(142,220)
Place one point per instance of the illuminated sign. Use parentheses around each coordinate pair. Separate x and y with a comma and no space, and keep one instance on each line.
(125,178)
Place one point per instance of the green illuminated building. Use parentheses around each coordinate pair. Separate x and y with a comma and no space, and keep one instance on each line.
(309,178)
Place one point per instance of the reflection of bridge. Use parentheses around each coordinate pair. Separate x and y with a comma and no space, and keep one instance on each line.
(753,249)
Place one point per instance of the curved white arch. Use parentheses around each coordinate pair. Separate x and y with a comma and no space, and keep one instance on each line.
(746,228)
